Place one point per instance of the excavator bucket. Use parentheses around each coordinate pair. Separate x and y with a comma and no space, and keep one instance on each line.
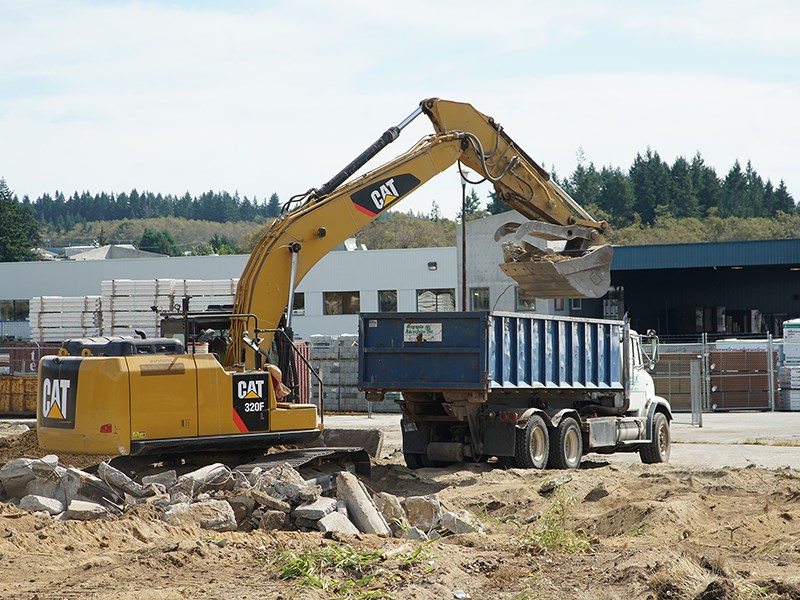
(560,276)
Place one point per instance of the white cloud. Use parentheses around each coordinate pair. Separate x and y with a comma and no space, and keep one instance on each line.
(279,97)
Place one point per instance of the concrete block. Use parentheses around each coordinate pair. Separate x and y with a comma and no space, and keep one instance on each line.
(461,522)
(285,483)
(81,510)
(423,511)
(242,505)
(41,504)
(360,507)
(211,477)
(415,533)
(215,515)
(269,502)
(314,511)
(392,511)
(272,519)
(337,522)
(165,478)
(116,478)
(15,475)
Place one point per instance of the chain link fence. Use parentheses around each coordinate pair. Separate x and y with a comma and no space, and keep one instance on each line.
(722,375)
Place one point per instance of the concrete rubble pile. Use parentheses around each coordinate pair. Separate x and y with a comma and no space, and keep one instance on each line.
(219,499)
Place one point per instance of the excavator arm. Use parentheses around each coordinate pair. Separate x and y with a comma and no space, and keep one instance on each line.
(323,218)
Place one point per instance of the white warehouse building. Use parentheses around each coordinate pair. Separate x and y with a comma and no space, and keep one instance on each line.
(327,302)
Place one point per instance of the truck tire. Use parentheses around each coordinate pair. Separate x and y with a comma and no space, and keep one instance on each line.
(532,444)
(566,445)
(658,448)
(415,461)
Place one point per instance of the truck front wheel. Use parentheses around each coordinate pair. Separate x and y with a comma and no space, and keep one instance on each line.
(532,444)
(566,445)
(658,448)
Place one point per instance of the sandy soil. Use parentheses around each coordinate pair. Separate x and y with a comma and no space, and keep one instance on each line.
(611,531)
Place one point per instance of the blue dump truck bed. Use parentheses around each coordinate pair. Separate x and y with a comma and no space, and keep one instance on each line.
(476,351)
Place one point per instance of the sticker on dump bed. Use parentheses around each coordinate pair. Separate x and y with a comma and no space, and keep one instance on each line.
(422,332)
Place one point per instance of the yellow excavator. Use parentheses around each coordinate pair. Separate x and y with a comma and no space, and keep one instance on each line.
(136,396)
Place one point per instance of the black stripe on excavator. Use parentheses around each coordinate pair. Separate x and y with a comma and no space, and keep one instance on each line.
(382,194)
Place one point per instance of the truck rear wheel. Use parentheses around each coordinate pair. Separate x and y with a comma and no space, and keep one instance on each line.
(415,461)
(566,445)
(532,444)
(658,449)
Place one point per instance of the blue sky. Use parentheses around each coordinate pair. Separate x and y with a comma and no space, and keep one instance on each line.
(263,97)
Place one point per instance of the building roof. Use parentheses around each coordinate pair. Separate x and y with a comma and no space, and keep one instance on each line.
(707,255)
(113,251)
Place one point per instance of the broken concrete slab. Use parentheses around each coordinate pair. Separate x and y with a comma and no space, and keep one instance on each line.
(314,511)
(272,519)
(462,521)
(211,477)
(41,504)
(423,511)
(269,502)
(15,475)
(242,505)
(337,522)
(215,515)
(392,511)
(285,483)
(165,478)
(360,508)
(116,478)
(82,510)
(415,533)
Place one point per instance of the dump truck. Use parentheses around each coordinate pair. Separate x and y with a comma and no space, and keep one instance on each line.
(533,391)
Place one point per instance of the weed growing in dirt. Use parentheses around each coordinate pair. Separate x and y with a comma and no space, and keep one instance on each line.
(551,532)
(344,572)
(699,577)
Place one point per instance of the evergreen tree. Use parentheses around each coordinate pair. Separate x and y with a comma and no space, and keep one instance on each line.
(615,196)
(495,206)
(652,184)
(160,242)
(273,209)
(472,204)
(19,230)
(706,184)
(734,191)
(683,200)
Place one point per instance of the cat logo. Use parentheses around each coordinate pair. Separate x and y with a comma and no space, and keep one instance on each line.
(382,194)
(55,398)
(250,396)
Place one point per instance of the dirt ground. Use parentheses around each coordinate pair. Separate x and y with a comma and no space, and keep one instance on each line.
(611,531)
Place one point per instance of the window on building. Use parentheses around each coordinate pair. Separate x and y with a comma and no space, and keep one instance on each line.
(558,304)
(523,302)
(299,304)
(341,303)
(479,298)
(575,304)
(387,300)
(13,310)
(442,300)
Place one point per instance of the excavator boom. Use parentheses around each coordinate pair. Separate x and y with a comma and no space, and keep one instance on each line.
(317,221)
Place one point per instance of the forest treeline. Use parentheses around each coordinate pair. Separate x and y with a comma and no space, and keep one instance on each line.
(649,203)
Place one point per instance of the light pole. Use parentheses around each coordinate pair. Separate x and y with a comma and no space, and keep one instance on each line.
(463,175)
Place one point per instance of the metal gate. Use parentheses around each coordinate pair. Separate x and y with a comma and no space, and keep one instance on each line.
(733,374)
